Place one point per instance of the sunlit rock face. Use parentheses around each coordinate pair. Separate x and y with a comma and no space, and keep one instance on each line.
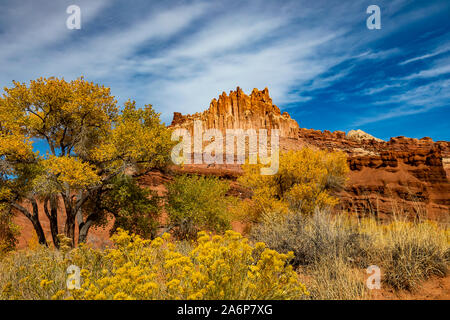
(399,176)
(240,111)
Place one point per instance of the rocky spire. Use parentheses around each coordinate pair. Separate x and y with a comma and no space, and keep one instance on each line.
(240,111)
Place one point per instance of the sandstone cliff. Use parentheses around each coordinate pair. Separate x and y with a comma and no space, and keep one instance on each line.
(399,176)
(240,111)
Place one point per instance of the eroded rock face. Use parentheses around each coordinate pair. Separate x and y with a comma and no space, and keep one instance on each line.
(240,111)
(398,181)
(399,176)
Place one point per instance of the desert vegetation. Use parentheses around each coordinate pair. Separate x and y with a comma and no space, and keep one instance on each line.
(197,203)
(179,244)
(306,180)
(215,267)
(89,144)
(286,257)
(335,250)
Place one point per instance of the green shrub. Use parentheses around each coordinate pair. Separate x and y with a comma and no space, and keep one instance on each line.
(9,231)
(136,209)
(198,203)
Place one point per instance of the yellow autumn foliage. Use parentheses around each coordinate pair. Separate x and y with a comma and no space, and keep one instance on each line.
(306,180)
(229,267)
(137,136)
(218,267)
(71,171)
(15,147)
(88,145)
(213,267)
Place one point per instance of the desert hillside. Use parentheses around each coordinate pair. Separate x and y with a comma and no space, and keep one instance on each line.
(401,176)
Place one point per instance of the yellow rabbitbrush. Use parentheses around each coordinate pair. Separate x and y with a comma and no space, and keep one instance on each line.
(219,267)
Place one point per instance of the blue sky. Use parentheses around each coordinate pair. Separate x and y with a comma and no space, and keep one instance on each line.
(318,59)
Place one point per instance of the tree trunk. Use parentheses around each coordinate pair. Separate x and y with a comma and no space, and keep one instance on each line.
(34,218)
(84,226)
(36,223)
(83,231)
(52,215)
(74,214)
(39,231)
(69,227)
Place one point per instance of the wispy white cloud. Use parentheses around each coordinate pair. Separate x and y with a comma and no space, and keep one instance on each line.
(413,101)
(441,49)
(30,29)
(438,69)
(180,55)
(371,91)
(186,65)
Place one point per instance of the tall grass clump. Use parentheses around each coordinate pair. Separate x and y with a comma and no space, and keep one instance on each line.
(335,279)
(312,238)
(327,250)
(333,251)
(409,251)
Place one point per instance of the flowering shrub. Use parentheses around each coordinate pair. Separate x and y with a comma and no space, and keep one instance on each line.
(219,267)
(332,263)
(306,180)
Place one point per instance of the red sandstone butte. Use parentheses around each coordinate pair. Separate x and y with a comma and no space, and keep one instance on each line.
(240,111)
(399,176)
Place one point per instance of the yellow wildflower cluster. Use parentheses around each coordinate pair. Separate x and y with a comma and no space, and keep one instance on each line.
(219,267)
(45,283)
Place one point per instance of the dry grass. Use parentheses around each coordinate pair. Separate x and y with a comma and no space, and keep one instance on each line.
(332,251)
(312,238)
(331,254)
(40,272)
(335,279)
(410,252)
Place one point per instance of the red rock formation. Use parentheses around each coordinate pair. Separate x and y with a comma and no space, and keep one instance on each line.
(240,111)
(402,175)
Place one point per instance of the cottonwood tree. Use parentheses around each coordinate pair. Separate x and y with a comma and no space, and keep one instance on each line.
(87,146)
